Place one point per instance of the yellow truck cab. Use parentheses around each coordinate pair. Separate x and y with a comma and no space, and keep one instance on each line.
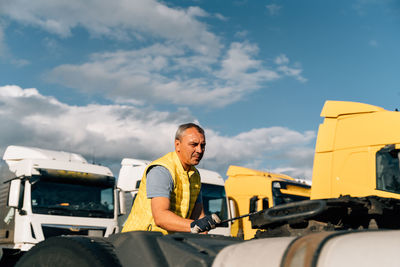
(251,190)
(357,152)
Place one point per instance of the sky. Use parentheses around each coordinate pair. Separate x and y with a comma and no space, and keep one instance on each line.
(114,79)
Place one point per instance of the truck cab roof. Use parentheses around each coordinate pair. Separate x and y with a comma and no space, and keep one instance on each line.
(334,109)
(15,153)
(236,171)
(27,161)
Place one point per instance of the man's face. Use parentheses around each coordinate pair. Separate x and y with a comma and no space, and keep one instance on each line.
(190,148)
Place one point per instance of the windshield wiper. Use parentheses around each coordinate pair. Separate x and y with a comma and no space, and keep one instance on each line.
(58,210)
(95,213)
(52,210)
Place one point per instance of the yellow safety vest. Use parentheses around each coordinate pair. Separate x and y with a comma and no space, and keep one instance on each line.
(182,199)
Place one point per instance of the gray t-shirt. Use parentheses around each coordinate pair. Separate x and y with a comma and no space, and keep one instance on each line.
(160,183)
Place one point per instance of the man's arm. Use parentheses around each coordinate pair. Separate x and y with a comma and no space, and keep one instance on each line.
(168,220)
(165,218)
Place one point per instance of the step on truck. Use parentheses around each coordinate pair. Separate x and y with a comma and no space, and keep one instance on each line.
(352,218)
(47,193)
(212,190)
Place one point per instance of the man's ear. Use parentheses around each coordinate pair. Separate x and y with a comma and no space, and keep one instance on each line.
(177,145)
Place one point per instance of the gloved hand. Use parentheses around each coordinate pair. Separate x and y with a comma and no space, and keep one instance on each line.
(204,224)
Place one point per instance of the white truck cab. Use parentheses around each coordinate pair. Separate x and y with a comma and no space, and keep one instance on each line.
(46,193)
(212,190)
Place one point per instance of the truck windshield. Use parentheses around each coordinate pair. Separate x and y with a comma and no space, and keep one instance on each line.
(387,169)
(72,199)
(214,200)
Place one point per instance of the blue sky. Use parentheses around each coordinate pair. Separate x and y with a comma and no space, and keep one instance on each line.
(114,79)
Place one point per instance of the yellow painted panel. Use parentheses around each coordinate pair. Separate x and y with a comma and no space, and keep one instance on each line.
(322,173)
(333,109)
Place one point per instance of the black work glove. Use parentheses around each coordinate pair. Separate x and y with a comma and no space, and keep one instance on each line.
(204,224)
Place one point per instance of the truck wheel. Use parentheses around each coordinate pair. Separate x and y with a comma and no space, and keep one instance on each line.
(9,257)
(70,251)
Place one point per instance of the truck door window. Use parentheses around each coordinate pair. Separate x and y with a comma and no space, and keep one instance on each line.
(387,169)
(281,198)
(214,200)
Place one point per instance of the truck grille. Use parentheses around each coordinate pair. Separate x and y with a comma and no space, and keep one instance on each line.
(57,230)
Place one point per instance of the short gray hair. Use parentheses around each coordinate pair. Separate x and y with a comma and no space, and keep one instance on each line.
(183,127)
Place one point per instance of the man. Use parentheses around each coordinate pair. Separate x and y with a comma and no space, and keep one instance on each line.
(169,197)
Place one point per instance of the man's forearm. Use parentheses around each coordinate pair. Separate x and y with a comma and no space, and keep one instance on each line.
(165,218)
(169,221)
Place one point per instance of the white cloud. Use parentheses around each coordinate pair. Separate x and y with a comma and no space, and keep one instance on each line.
(260,140)
(118,19)
(239,61)
(301,160)
(19,62)
(373,43)
(274,9)
(366,7)
(291,71)
(270,149)
(241,34)
(112,132)
(274,143)
(52,46)
(14,91)
(221,17)
(295,72)
(168,73)
(281,59)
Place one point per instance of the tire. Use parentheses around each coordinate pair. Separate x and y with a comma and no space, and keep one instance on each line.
(70,251)
(10,257)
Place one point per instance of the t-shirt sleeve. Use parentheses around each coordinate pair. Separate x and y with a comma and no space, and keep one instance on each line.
(159,182)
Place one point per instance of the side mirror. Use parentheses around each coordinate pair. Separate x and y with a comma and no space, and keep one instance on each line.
(232,208)
(121,199)
(14,193)
(253,204)
(265,203)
